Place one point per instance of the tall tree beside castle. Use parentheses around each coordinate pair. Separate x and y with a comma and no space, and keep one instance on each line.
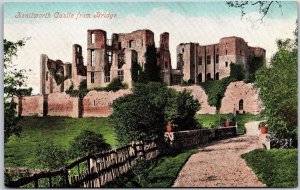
(152,69)
(14,80)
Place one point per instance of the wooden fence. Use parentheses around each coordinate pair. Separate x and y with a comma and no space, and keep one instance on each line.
(98,168)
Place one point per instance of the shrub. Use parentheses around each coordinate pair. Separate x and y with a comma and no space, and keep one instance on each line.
(114,85)
(145,113)
(237,71)
(83,85)
(87,142)
(215,90)
(50,156)
(181,110)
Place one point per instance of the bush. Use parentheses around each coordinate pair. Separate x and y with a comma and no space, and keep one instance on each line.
(87,142)
(114,85)
(83,85)
(50,156)
(181,110)
(145,113)
(216,89)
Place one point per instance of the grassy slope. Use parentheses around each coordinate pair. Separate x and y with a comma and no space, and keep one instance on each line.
(208,120)
(19,151)
(157,173)
(275,167)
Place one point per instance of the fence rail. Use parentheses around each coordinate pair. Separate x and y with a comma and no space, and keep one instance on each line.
(104,167)
(100,168)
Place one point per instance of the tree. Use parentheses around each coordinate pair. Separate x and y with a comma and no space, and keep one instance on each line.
(144,114)
(263,6)
(278,90)
(151,69)
(181,110)
(87,142)
(13,82)
(50,156)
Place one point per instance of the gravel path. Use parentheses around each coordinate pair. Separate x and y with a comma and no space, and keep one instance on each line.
(220,164)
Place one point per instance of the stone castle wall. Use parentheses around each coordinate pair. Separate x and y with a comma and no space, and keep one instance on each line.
(237,91)
(61,104)
(201,96)
(98,104)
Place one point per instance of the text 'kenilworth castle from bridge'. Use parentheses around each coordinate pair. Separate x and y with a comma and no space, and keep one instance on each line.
(113,58)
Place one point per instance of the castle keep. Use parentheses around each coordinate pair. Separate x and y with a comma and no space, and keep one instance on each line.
(200,63)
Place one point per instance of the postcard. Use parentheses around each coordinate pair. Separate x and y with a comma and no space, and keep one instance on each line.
(150,94)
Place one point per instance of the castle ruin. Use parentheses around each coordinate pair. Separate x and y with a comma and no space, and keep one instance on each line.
(106,59)
(199,63)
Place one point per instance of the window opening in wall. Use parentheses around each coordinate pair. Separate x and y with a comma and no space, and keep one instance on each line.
(226,64)
(142,43)
(119,45)
(217,58)
(92,58)
(93,38)
(241,52)
(94,102)
(226,52)
(109,57)
(166,65)
(121,75)
(208,59)
(131,44)
(241,104)
(200,60)
(92,77)
(200,77)
(217,76)
(47,75)
(208,76)
(182,49)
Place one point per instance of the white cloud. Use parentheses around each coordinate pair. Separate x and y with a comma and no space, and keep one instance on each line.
(57,37)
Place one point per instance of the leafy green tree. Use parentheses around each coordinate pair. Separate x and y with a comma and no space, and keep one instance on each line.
(237,71)
(14,80)
(83,85)
(278,89)
(115,85)
(50,156)
(87,142)
(181,110)
(145,113)
(151,69)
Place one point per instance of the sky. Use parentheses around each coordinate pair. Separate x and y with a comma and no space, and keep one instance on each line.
(201,22)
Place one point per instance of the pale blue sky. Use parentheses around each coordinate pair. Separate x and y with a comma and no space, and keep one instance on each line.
(201,22)
(192,9)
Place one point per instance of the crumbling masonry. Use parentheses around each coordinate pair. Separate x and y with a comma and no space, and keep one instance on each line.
(106,59)
(199,63)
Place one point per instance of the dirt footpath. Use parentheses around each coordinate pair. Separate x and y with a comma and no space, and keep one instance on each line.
(220,164)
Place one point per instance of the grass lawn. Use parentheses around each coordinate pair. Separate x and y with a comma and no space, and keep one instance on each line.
(19,152)
(275,167)
(209,120)
(157,173)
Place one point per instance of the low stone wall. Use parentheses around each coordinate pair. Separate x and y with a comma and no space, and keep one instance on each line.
(240,91)
(200,95)
(98,104)
(61,104)
(30,105)
(194,138)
